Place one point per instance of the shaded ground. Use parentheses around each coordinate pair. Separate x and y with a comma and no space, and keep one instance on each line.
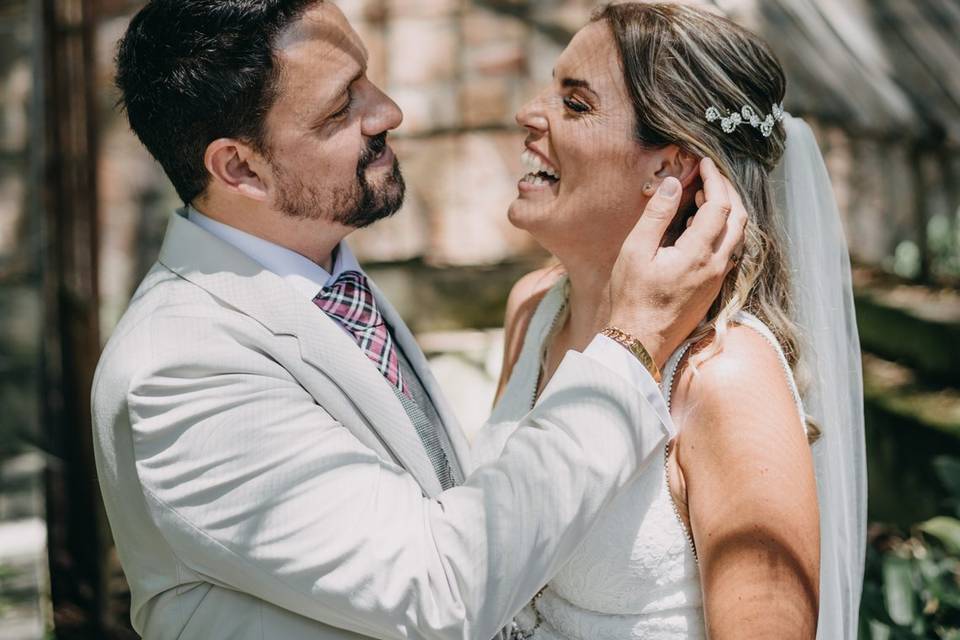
(23,551)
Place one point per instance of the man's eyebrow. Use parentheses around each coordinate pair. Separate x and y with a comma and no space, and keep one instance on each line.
(342,89)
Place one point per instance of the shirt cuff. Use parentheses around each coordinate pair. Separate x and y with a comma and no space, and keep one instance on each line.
(617,359)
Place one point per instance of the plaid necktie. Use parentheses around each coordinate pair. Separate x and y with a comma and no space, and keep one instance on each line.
(350,302)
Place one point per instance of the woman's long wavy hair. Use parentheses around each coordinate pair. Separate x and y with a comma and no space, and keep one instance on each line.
(677,62)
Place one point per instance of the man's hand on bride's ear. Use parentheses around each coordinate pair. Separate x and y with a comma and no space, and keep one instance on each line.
(660,294)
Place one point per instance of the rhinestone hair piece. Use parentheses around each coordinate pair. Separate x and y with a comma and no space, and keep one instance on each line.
(746,115)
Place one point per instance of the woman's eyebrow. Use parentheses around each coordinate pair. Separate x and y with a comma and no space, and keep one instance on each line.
(576,83)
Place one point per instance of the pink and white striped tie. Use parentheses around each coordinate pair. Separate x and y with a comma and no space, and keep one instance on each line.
(350,302)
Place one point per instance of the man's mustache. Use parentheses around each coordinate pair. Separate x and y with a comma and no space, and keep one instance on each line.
(376,145)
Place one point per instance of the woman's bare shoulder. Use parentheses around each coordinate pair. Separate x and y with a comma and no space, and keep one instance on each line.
(739,396)
(528,291)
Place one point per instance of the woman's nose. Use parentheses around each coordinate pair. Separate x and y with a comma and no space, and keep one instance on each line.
(532,115)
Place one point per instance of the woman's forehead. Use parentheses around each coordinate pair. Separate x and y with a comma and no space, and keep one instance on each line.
(592,55)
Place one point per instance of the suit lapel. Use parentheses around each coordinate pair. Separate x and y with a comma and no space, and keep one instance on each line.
(418,361)
(244,284)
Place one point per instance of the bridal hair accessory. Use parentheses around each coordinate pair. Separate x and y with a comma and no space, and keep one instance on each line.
(746,115)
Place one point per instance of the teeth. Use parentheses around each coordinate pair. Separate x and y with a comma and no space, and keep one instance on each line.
(534,179)
(533,163)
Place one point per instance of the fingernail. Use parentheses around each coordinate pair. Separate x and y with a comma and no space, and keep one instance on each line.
(670,187)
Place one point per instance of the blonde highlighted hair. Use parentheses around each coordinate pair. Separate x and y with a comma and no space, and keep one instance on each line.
(677,62)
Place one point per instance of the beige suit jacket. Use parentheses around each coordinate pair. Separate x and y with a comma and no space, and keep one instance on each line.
(263,481)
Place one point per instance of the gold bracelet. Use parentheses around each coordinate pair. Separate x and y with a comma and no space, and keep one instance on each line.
(634,346)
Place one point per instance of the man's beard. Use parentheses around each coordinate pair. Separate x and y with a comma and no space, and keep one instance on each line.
(358,206)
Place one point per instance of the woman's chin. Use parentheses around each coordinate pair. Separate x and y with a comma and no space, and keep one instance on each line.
(527,215)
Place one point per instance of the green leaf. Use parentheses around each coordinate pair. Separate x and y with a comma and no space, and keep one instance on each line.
(945,529)
(898,590)
(879,631)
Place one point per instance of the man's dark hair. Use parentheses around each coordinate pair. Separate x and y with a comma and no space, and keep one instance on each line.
(192,71)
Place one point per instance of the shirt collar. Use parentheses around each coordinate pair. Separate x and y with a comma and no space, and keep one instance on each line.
(298,271)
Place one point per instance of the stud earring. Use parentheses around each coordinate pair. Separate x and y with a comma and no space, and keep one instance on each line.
(647,189)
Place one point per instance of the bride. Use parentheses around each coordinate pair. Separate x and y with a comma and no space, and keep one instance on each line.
(752,524)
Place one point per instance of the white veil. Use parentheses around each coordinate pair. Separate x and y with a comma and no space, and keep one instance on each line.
(830,349)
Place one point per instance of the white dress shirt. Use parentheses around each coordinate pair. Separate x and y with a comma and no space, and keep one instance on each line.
(300,272)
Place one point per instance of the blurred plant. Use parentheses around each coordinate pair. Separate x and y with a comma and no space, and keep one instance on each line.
(906,260)
(6,573)
(943,240)
(912,581)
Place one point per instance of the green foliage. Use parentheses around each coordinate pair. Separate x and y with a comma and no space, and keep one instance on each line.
(912,581)
(6,573)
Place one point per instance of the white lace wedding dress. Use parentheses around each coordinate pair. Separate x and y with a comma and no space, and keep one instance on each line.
(635,575)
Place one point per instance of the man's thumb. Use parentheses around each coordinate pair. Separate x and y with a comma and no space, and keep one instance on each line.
(656,218)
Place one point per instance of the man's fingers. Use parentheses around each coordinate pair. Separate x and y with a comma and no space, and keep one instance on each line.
(659,212)
(714,184)
(700,198)
(711,217)
(732,241)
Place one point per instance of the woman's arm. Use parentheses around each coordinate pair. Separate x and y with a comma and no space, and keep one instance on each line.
(522,302)
(751,491)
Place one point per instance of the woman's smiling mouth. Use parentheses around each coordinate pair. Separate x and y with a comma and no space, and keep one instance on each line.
(540,173)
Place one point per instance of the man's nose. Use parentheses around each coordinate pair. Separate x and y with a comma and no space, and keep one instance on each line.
(381,113)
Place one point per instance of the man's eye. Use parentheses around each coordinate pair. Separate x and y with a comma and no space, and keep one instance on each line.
(575,105)
(342,112)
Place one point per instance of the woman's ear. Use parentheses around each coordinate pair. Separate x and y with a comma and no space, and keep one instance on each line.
(678,163)
(236,168)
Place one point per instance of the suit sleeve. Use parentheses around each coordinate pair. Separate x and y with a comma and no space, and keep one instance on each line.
(256,487)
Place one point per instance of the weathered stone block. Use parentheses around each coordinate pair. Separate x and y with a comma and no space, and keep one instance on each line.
(423,8)
(497,59)
(427,108)
(12,201)
(15,96)
(485,102)
(481,27)
(422,50)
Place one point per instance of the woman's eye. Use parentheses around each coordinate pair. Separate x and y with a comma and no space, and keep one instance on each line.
(575,105)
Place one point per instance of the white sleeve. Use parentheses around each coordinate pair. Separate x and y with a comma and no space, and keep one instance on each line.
(257,488)
(616,358)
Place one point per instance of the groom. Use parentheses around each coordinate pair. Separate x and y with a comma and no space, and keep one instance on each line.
(275,457)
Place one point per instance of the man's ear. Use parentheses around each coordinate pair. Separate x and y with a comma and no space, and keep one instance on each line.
(678,163)
(237,168)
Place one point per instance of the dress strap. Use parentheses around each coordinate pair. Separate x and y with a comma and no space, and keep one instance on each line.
(543,319)
(517,397)
(670,371)
(748,320)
